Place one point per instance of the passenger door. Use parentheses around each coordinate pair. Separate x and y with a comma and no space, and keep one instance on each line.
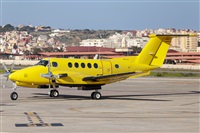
(106,67)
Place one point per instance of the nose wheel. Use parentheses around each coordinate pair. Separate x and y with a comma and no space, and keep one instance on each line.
(14,95)
(96,95)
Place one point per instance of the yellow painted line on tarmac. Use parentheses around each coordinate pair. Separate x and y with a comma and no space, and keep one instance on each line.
(35,121)
(33,117)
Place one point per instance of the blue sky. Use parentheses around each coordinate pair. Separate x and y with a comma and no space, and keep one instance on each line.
(98,14)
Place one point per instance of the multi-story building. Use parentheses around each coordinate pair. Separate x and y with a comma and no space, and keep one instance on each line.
(185,44)
(93,42)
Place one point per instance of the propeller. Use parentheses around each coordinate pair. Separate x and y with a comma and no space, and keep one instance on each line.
(8,71)
(49,75)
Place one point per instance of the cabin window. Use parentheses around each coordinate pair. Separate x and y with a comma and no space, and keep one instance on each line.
(89,65)
(95,65)
(83,65)
(54,64)
(76,65)
(116,66)
(70,65)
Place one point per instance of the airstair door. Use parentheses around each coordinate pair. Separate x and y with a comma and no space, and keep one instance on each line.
(106,67)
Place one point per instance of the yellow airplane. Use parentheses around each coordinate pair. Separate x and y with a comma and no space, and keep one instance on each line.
(91,74)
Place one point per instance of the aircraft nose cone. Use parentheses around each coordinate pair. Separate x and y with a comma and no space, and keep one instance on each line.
(13,76)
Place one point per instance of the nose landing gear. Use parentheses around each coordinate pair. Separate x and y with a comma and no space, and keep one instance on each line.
(14,94)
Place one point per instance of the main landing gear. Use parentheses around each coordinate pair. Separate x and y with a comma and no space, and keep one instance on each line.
(54,93)
(96,95)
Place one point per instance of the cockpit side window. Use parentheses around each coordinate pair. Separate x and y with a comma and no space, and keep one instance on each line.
(43,63)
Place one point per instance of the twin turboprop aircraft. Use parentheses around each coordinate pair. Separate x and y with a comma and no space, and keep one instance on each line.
(90,74)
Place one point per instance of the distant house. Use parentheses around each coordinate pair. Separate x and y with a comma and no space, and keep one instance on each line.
(93,42)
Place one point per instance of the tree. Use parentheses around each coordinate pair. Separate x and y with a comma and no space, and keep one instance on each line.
(36,51)
(27,28)
(27,52)
(136,49)
(48,49)
(8,27)
(1,29)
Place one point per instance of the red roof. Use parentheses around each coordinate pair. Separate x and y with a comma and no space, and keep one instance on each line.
(183,57)
(183,53)
(193,61)
(76,53)
(88,49)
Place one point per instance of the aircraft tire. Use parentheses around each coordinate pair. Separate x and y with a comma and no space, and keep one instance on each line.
(97,95)
(92,95)
(14,96)
(54,93)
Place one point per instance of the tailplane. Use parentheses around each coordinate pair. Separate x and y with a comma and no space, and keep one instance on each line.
(155,51)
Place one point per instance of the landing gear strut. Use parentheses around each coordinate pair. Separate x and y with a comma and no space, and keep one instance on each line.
(14,94)
(54,92)
(96,95)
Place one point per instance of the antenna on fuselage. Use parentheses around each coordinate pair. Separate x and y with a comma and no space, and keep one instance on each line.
(96,56)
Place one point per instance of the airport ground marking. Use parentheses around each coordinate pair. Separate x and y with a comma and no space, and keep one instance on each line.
(36,121)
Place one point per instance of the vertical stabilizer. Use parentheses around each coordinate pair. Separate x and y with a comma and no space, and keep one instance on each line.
(155,51)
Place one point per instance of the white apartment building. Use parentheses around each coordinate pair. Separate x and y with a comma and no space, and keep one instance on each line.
(136,42)
(93,42)
(185,44)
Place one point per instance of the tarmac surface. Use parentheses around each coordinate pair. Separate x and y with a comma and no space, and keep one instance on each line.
(147,105)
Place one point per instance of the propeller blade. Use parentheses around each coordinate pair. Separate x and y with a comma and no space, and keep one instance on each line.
(8,71)
(12,66)
(49,66)
(6,74)
(5,68)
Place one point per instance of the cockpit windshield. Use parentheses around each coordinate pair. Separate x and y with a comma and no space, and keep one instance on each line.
(43,63)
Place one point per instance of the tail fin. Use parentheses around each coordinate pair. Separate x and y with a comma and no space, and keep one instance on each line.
(156,49)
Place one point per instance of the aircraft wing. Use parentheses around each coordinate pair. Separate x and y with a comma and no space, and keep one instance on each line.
(109,78)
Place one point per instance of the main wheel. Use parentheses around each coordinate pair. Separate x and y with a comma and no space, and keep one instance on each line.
(54,93)
(92,95)
(96,95)
(14,95)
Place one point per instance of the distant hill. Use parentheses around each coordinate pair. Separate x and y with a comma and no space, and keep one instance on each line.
(70,38)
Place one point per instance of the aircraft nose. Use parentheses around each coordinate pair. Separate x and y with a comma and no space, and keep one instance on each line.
(13,76)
